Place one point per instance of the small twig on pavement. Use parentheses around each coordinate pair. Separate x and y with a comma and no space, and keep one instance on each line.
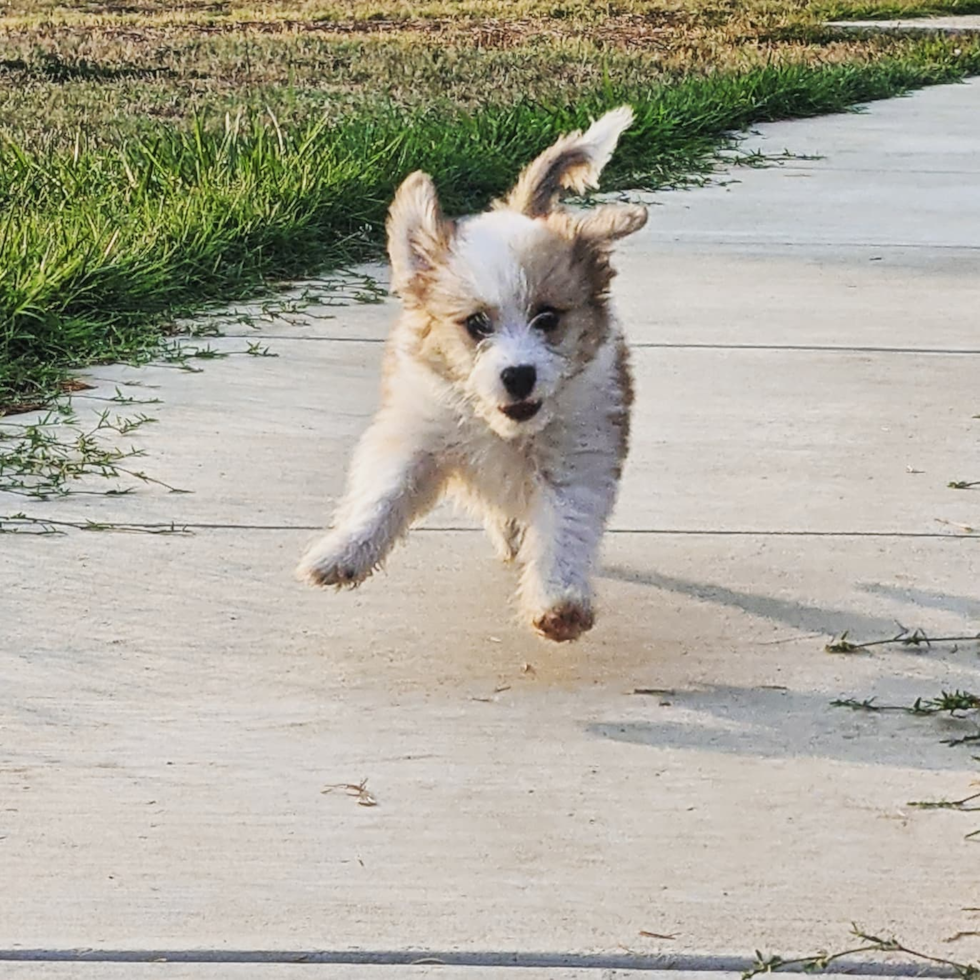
(965,528)
(358,790)
(948,804)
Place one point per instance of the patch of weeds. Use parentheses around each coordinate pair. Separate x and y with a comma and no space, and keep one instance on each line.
(962,805)
(181,355)
(948,701)
(289,309)
(961,705)
(342,288)
(24,524)
(202,328)
(904,637)
(820,962)
(42,459)
(760,160)
(257,349)
(589,202)
(120,399)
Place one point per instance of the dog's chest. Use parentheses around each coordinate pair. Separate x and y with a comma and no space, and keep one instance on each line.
(502,472)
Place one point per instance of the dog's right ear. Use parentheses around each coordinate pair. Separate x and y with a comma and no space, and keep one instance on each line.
(574,163)
(418,234)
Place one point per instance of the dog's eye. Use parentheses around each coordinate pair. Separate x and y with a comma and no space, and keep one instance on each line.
(478,325)
(546,319)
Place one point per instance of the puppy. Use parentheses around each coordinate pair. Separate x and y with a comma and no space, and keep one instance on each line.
(506,383)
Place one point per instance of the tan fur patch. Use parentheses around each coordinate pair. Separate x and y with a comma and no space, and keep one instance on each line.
(418,235)
(567,164)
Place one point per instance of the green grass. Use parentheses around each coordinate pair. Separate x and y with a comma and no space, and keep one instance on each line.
(106,237)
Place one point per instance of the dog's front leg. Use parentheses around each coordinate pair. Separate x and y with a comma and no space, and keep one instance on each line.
(559,549)
(392,482)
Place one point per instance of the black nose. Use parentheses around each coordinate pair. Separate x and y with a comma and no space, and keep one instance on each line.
(519,381)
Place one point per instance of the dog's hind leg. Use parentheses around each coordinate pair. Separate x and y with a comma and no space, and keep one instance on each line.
(506,536)
(391,484)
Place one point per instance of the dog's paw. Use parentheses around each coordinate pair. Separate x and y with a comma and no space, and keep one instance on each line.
(329,575)
(334,563)
(564,622)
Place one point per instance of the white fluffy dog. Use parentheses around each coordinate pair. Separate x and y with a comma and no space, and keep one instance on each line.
(506,383)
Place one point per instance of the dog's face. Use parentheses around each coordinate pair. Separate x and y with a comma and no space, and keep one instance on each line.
(510,304)
(510,317)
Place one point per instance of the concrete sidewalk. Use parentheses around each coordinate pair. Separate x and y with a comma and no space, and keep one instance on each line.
(962,24)
(172,706)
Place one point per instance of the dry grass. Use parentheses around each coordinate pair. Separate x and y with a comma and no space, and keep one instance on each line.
(20,13)
(66,67)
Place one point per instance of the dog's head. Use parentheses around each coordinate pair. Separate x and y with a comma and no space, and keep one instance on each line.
(509,304)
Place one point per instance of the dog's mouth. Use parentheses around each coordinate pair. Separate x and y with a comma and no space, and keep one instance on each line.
(521,411)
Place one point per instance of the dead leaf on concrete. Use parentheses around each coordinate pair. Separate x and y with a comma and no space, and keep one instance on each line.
(655,935)
(499,689)
(357,790)
(965,528)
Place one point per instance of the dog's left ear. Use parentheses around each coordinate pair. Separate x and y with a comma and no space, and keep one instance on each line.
(418,234)
(593,237)
(612,221)
(573,163)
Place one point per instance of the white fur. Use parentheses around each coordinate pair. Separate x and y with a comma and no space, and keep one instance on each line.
(544,487)
(484,254)
(601,139)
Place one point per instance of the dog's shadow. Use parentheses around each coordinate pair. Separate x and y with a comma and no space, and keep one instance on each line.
(782,723)
(797,615)
(787,724)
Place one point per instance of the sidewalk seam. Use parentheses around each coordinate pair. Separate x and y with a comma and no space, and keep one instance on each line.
(663,962)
